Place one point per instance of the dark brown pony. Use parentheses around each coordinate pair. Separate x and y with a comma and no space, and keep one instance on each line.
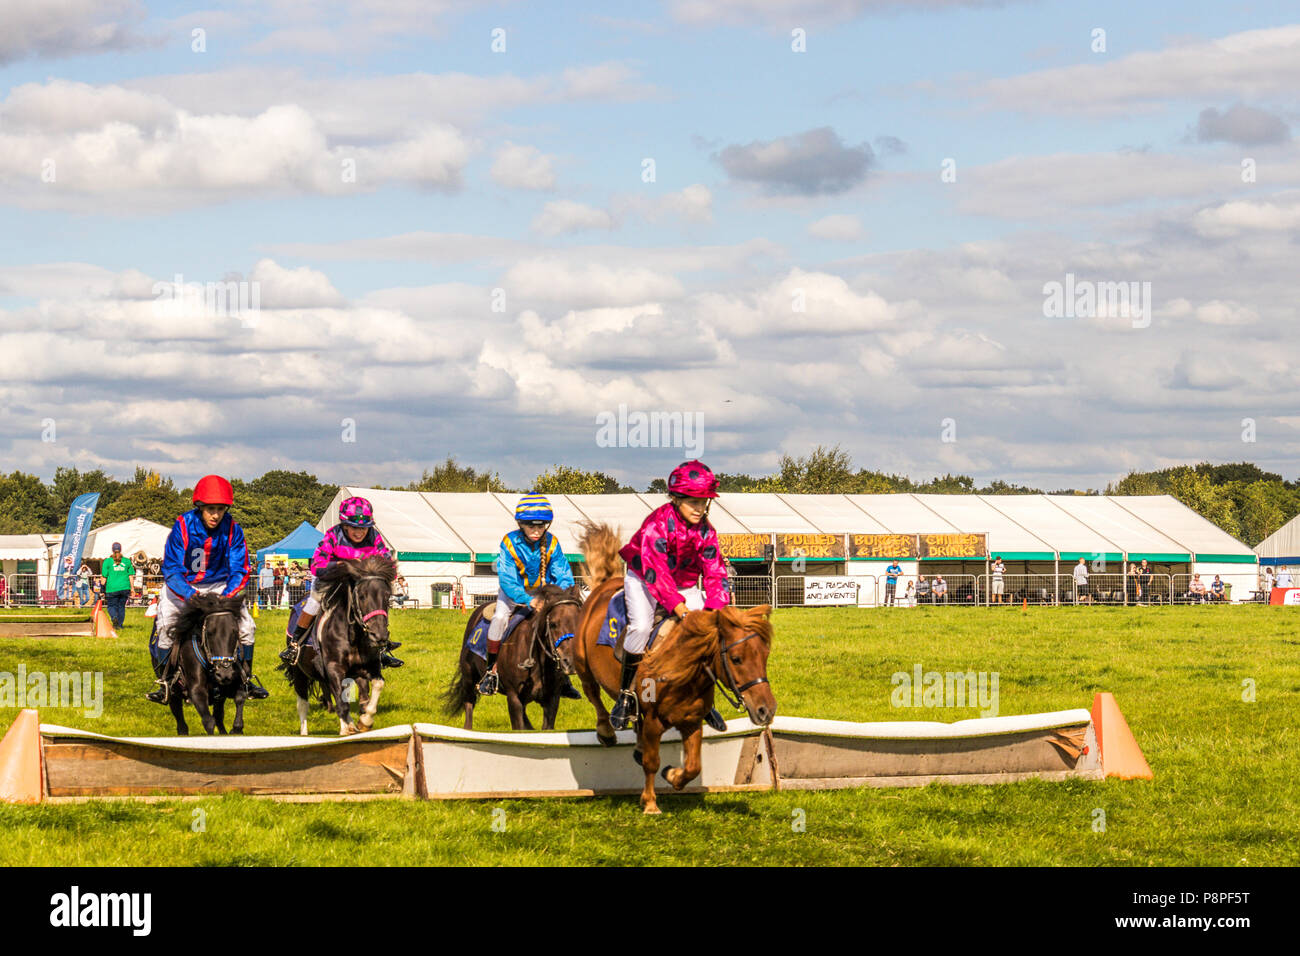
(205,644)
(351,631)
(675,681)
(528,664)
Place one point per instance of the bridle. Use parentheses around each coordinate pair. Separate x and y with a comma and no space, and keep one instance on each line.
(354,615)
(731,677)
(200,644)
(551,647)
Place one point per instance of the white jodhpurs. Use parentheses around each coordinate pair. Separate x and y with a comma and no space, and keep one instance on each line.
(501,616)
(641,606)
(169,606)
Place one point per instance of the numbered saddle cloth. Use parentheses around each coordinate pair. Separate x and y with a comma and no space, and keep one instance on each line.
(478,638)
(616,623)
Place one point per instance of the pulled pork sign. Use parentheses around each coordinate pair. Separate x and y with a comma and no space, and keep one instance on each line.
(829,546)
(883,546)
(954,546)
(738,546)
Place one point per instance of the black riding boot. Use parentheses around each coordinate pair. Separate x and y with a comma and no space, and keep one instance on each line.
(290,653)
(625,707)
(490,682)
(253,688)
(162,671)
(568,690)
(714,720)
(386,657)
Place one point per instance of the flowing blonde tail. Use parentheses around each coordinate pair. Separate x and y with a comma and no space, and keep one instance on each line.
(600,544)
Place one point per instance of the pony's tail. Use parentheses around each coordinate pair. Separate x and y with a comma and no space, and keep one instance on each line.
(461,690)
(600,544)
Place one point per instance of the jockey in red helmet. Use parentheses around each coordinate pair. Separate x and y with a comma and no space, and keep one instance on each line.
(205,552)
(674,549)
(354,537)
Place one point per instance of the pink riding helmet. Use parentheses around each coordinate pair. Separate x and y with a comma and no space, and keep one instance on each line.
(693,479)
(356,513)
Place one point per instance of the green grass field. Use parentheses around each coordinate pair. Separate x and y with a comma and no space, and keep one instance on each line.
(1225,789)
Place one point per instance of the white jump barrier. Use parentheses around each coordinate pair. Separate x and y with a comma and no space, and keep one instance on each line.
(436,762)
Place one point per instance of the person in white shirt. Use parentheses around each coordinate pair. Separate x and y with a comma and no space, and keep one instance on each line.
(1081,595)
(999,589)
(1283,577)
(940,589)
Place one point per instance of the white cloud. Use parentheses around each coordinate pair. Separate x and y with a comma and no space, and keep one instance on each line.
(1280,214)
(59,28)
(301,288)
(1250,65)
(1226,313)
(840,227)
(565,216)
(573,285)
(523,167)
(120,147)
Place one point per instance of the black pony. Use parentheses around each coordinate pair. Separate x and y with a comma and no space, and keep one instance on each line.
(205,647)
(351,633)
(528,664)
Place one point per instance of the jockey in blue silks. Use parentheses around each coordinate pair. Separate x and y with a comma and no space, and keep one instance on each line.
(529,557)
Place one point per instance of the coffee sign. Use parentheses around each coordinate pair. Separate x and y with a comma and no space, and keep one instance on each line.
(743,545)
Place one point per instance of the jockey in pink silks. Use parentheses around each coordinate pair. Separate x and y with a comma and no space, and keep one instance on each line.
(354,537)
(674,548)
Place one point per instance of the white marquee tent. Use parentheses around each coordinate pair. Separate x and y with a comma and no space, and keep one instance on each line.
(448,534)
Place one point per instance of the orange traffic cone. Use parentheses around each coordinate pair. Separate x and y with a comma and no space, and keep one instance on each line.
(22,770)
(1120,754)
(1024,606)
(101,625)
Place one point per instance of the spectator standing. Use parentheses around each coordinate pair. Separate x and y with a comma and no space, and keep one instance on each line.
(117,571)
(265,582)
(1284,577)
(278,587)
(909,597)
(83,585)
(1081,595)
(999,582)
(891,582)
(137,582)
(1144,581)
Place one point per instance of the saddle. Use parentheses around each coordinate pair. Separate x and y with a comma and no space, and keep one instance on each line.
(310,639)
(477,638)
(615,629)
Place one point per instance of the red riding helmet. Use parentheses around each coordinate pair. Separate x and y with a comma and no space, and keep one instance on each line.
(213,490)
(693,479)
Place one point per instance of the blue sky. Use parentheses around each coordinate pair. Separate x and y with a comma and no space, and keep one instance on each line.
(925,297)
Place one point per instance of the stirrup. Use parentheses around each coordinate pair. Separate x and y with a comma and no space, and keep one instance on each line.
(388,660)
(161,693)
(620,718)
(489,684)
(257,692)
(291,653)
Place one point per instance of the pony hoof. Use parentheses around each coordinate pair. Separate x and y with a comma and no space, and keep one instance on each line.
(609,741)
(652,811)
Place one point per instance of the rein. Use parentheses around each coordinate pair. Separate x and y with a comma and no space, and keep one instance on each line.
(731,678)
(354,616)
(549,648)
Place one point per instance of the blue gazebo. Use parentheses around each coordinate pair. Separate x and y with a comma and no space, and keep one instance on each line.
(299,544)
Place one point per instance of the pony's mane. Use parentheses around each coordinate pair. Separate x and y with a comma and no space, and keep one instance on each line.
(550,592)
(692,644)
(341,574)
(600,546)
(200,605)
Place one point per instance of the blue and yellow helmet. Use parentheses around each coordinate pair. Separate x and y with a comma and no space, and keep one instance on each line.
(534,508)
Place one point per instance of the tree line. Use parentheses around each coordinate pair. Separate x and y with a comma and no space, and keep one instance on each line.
(1243,500)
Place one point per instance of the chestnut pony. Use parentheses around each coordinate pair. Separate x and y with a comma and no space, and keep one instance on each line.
(675,681)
